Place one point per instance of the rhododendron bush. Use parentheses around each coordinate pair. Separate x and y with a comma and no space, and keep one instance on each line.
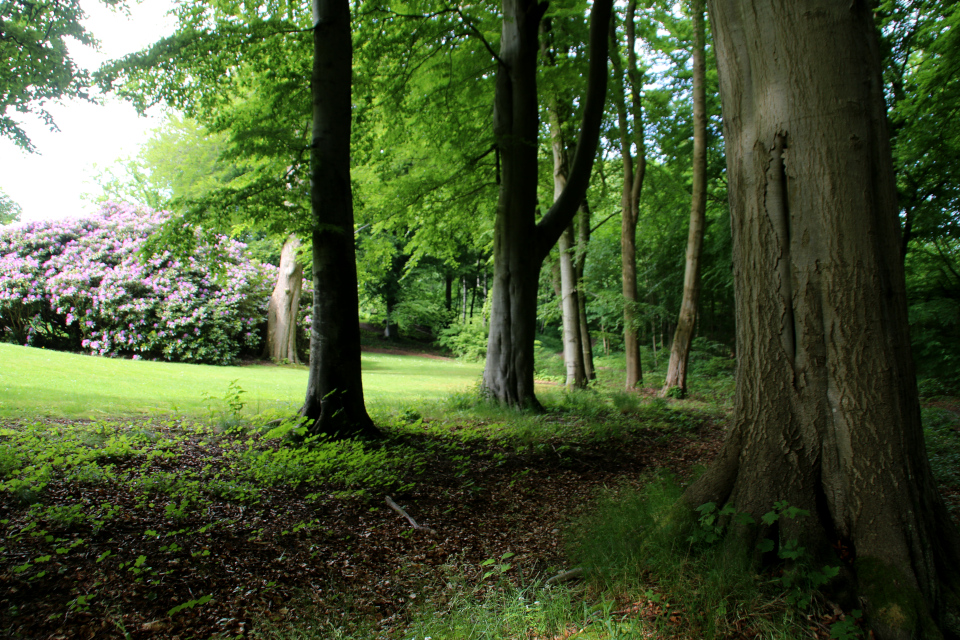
(82,285)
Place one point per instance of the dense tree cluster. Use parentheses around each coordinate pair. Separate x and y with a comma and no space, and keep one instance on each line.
(445,145)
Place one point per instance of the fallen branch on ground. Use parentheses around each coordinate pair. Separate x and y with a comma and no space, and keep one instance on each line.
(576,572)
(393,505)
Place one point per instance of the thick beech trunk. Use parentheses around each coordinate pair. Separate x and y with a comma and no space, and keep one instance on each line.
(334,402)
(826,413)
(633,174)
(683,336)
(583,239)
(520,243)
(284,305)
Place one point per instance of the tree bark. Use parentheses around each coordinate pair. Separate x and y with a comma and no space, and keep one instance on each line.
(683,336)
(520,243)
(448,290)
(633,175)
(284,305)
(334,401)
(572,349)
(583,239)
(569,298)
(826,412)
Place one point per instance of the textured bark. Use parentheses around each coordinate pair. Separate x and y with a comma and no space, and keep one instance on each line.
(520,243)
(334,402)
(583,239)
(633,174)
(826,411)
(683,336)
(572,349)
(284,305)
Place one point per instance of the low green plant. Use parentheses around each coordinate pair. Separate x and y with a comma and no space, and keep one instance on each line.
(501,610)
(941,429)
(466,340)
(634,540)
(626,401)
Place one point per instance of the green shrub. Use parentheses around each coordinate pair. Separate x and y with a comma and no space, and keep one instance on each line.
(467,341)
(941,429)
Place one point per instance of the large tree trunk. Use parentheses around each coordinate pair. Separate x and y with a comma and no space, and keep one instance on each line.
(683,336)
(334,402)
(284,305)
(826,414)
(520,243)
(632,186)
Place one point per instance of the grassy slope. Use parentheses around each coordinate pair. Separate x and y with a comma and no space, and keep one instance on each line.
(37,382)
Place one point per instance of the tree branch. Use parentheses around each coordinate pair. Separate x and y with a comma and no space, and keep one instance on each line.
(393,505)
(559,215)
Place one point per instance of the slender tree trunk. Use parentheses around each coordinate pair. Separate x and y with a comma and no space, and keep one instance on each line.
(683,337)
(387,334)
(284,306)
(448,290)
(572,349)
(826,413)
(334,400)
(632,186)
(520,243)
(583,238)
(569,298)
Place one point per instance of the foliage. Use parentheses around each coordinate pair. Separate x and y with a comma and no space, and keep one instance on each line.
(9,210)
(941,429)
(181,160)
(36,64)
(643,541)
(921,46)
(467,341)
(81,285)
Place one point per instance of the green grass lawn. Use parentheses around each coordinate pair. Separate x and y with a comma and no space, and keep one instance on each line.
(37,382)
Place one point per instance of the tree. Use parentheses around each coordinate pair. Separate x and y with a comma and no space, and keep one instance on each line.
(826,413)
(583,241)
(334,400)
(182,161)
(36,63)
(243,71)
(9,209)
(521,243)
(633,176)
(558,109)
(284,304)
(683,336)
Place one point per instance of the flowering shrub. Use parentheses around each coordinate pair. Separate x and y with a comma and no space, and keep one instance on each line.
(81,285)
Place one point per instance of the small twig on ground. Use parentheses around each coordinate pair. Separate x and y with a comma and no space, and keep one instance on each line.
(576,572)
(393,505)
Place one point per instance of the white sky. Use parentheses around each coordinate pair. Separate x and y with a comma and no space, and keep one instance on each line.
(49,184)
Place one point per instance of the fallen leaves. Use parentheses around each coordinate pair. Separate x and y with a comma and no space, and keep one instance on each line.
(215,566)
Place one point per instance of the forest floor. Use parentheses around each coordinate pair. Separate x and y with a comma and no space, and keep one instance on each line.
(115,555)
(179,529)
